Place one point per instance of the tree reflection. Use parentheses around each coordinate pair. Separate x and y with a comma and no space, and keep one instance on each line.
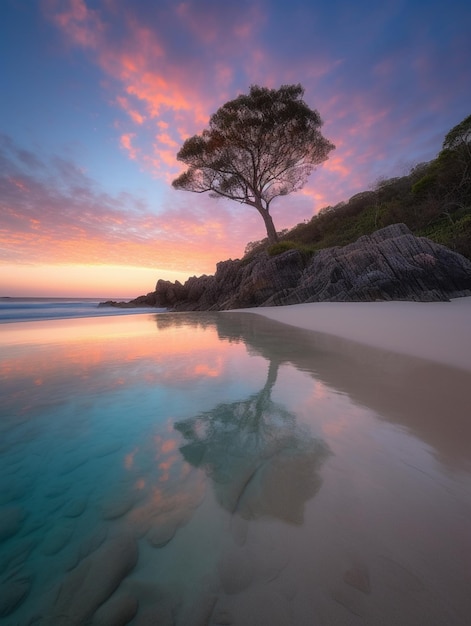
(261,462)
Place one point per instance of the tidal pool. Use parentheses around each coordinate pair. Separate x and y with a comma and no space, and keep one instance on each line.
(224,469)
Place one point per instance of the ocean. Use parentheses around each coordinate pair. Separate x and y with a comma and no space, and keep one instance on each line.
(31,309)
(189,469)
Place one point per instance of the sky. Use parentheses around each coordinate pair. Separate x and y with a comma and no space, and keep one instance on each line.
(99,95)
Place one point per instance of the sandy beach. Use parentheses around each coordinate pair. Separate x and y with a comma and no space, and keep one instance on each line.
(437,331)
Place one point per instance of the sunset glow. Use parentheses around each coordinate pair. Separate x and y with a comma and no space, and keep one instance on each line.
(89,133)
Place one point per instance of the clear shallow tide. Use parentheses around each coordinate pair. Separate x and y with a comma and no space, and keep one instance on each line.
(221,468)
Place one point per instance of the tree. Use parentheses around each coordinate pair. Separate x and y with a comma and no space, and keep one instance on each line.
(258,147)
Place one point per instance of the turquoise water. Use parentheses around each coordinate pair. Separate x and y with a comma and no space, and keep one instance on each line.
(190,469)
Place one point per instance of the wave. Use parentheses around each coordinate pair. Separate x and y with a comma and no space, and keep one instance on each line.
(35,309)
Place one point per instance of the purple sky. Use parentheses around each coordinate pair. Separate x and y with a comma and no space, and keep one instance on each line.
(98,96)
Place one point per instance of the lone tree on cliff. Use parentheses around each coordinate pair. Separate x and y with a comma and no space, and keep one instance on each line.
(258,147)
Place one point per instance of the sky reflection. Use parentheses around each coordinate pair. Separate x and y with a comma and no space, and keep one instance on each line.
(212,459)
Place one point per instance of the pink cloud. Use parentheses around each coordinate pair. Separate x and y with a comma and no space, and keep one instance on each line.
(224,26)
(168,92)
(155,86)
(177,98)
(126,143)
(165,139)
(82,24)
(133,114)
(46,219)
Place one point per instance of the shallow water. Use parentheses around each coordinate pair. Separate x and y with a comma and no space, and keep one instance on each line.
(33,309)
(221,468)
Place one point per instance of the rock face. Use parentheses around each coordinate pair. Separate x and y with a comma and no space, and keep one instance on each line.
(390,264)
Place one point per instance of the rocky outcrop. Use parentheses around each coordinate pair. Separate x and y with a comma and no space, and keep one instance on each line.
(390,264)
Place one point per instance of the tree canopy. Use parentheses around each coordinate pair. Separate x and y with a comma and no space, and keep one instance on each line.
(258,147)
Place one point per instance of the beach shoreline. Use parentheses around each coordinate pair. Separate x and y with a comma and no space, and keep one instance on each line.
(435,331)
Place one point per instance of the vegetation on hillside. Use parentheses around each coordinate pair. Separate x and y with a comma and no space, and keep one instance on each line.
(433,200)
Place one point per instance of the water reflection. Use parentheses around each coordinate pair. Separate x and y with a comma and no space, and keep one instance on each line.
(429,399)
(165,470)
(260,461)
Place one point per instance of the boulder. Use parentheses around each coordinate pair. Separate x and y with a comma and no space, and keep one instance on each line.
(391,264)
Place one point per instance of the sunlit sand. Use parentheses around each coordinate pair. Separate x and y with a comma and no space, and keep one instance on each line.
(440,331)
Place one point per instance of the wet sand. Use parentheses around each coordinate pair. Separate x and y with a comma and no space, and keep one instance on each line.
(438,331)
(409,363)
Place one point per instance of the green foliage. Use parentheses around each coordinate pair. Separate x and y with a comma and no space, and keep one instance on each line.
(283,246)
(280,247)
(454,233)
(253,247)
(425,185)
(433,200)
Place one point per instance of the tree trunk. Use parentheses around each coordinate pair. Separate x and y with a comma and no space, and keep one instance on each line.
(271,232)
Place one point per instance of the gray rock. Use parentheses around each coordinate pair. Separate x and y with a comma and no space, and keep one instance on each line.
(390,264)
